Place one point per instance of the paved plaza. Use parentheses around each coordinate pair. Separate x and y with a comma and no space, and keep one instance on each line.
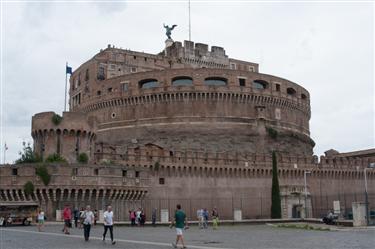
(236,237)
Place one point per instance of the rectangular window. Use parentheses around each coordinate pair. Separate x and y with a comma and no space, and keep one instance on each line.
(133,69)
(96,172)
(14,172)
(161,181)
(125,87)
(124,173)
(110,89)
(232,66)
(242,81)
(137,174)
(277,87)
(75,171)
(101,73)
(251,68)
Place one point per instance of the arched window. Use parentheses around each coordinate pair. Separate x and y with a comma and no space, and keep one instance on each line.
(290,91)
(260,84)
(182,81)
(148,83)
(215,81)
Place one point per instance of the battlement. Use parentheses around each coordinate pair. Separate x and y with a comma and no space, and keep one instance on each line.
(68,136)
(198,51)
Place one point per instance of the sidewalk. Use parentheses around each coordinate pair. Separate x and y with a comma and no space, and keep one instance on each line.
(346,223)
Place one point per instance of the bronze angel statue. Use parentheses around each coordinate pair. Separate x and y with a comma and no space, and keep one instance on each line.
(169,30)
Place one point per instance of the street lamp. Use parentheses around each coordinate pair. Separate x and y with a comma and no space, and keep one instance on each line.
(370,166)
(304,175)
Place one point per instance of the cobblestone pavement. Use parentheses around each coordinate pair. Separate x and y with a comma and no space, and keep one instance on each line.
(234,237)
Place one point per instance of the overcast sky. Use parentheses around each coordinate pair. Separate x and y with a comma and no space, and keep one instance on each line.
(328,48)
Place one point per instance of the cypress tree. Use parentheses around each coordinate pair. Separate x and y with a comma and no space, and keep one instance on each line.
(276,201)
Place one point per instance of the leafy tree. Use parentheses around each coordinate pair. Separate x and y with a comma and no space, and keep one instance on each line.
(28,188)
(27,155)
(56,119)
(83,158)
(55,158)
(42,172)
(276,201)
(157,166)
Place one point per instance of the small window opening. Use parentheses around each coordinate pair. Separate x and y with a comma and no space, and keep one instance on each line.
(242,81)
(278,87)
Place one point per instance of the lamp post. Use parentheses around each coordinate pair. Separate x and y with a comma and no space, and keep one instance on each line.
(304,175)
(370,166)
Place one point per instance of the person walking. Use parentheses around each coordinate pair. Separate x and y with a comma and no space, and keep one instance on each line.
(96,216)
(76,216)
(108,223)
(205,218)
(180,223)
(215,218)
(81,218)
(88,220)
(200,218)
(40,219)
(67,215)
(132,217)
(138,216)
(153,217)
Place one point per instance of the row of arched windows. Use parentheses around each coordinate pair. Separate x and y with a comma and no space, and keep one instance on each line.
(213,81)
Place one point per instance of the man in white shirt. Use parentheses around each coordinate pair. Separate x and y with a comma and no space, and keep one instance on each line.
(108,223)
(88,219)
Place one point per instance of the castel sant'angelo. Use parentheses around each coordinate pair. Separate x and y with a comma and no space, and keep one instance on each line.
(188,125)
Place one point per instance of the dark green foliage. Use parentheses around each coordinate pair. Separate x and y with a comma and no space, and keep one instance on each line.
(56,119)
(28,188)
(156,166)
(276,201)
(55,158)
(272,132)
(42,172)
(27,155)
(83,158)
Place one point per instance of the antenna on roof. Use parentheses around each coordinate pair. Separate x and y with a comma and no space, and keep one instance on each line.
(189,23)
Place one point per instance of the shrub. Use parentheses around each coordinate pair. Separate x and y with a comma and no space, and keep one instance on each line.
(42,172)
(27,155)
(83,158)
(156,166)
(56,119)
(272,132)
(55,158)
(28,188)
(106,162)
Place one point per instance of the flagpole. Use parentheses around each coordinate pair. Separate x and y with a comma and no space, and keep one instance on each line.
(189,23)
(66,82)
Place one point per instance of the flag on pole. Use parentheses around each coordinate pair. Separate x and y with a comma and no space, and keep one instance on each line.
(69,70)
(5,146)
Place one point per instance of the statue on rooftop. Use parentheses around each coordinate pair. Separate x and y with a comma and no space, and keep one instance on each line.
(169,30)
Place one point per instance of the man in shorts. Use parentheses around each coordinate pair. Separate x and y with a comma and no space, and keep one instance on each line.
(67,215)
(181,224)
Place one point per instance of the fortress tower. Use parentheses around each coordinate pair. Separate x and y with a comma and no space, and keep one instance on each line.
(186,98)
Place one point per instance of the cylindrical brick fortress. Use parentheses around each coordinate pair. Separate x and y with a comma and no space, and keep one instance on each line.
(205,109)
